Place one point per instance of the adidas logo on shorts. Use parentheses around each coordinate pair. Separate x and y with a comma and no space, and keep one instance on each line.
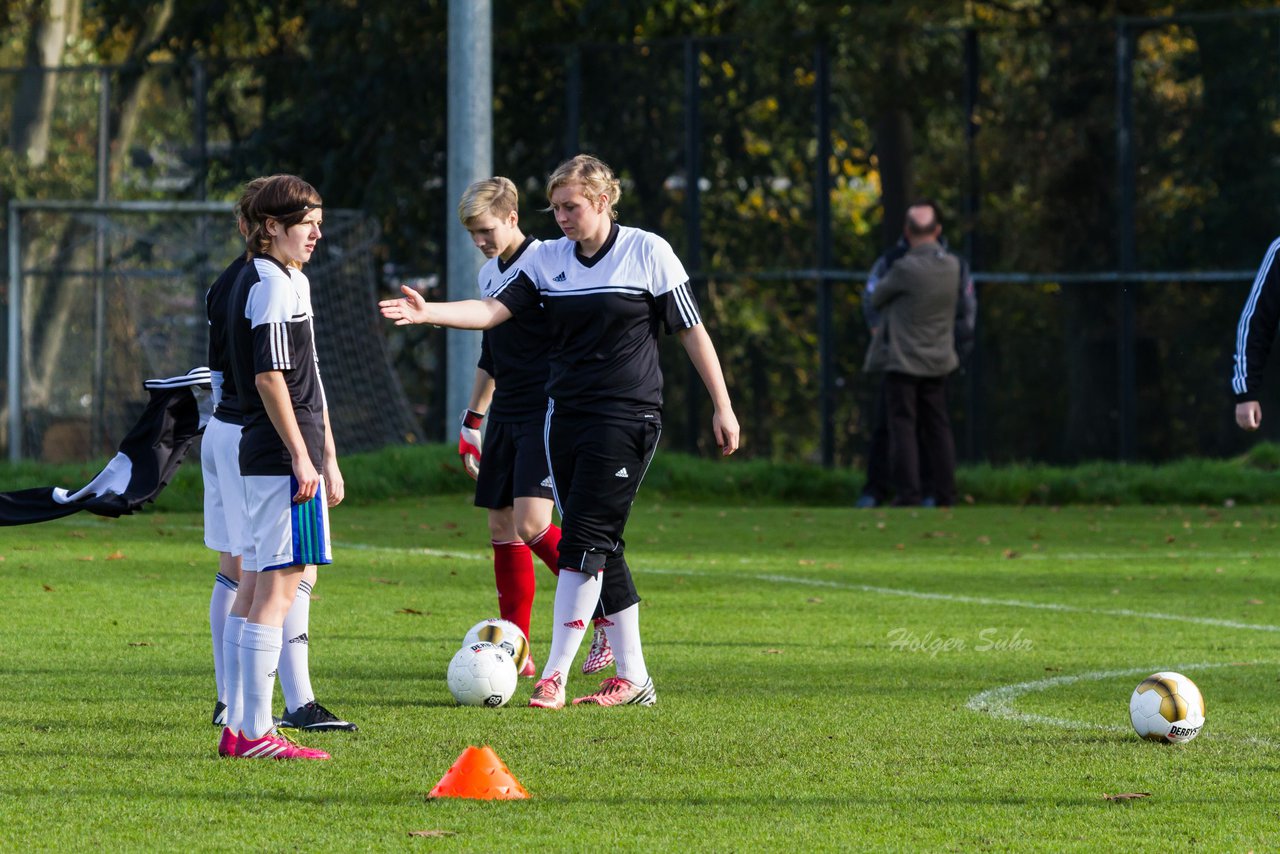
(561,278)
(622,472)
(546,482)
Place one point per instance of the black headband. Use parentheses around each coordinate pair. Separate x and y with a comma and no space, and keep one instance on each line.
(282,214)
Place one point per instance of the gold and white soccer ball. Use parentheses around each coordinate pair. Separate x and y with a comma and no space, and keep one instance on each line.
(503,633)
(482,674)
(1167,706)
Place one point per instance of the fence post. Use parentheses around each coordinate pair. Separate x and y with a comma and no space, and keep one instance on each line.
(693,225)
(98,415)
(15,334)
(1125,356)
(822,218)
(975,415)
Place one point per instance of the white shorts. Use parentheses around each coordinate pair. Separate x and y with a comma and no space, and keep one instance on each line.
(225,528)
(282,533)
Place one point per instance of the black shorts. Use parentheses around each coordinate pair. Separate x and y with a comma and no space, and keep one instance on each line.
(597,465)
(513,464)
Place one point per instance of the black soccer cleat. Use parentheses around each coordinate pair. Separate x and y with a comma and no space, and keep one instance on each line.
(219,713)
(314,716)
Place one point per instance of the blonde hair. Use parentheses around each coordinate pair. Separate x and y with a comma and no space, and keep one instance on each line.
(593,175)
(285,198)
(496,196)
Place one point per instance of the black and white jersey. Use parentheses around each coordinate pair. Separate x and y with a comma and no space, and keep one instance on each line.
(1256,330)
(270,324)
(515,353)
(215,303)
(604,313)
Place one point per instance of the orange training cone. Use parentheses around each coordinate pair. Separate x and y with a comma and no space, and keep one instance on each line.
(479,774)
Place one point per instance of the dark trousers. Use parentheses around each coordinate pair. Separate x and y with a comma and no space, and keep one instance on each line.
(879,483)
(919,428)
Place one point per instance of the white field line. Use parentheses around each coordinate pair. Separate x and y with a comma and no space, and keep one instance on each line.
(998,702)
(986,601)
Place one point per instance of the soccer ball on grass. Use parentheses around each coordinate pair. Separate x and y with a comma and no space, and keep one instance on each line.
(503,633)
(482,674)
(1167,706)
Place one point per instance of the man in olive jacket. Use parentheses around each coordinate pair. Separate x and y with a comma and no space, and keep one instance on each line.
(915,347)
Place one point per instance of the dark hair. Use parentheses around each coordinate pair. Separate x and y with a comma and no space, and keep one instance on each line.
(285,198)
(921,231)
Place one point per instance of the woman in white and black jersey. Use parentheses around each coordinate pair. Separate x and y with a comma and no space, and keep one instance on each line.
(606,290)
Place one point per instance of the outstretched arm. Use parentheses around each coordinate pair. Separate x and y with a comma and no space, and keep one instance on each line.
(697,343)
(461,314)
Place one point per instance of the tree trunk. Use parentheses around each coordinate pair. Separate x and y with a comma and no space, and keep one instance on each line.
(50,24)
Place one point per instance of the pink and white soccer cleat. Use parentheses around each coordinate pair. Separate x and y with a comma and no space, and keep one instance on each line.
(600,655)
(616,691)
(227,744)
(530,669)
(275,746)
(548,693)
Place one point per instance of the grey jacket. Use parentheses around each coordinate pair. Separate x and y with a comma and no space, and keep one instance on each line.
(917,303)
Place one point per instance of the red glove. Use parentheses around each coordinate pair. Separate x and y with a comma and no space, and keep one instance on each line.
(469,442)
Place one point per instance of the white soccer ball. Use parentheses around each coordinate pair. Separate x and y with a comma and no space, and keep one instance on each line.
(503,633)
(1167,706)
(482,674)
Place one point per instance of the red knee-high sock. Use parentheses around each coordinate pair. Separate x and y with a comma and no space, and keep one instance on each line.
(547,547)
(513,572)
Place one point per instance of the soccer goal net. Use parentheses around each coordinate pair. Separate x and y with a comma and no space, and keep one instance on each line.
(104,296)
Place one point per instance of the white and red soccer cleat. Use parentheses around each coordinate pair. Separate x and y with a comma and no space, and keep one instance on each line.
(616,691)
(274,746)
(600,655)
(530,669)
(548,693)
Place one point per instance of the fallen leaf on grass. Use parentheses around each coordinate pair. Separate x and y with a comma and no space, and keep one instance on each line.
(900,546)
(984,540)
(384,581)
(1254,602)
(139,643)
(79,535)
(804,562)
(773,652)
(1,558)
(434,833)
(413,611)
(1010,553)
(814,600)
(116,555)
(47,588)
(85,557)
(1126,796)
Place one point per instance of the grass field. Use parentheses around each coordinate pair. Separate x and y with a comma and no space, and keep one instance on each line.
(827,679)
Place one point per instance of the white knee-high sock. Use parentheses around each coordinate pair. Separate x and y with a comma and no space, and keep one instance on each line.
(231,672)
(623,631)
(295,669)
(259,654)
(576,596)
(224,593)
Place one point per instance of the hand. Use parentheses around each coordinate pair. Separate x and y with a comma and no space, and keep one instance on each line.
(1249,415)
(308,480)
(412,309)
(469,442)
(334,486)
(725,426)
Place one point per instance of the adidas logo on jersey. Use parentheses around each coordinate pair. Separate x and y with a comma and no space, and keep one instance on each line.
(561,278)
(622,472)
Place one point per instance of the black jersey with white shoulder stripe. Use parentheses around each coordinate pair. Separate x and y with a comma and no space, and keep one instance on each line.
(515,353)
(604,313)
(215,303)
(269,321)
